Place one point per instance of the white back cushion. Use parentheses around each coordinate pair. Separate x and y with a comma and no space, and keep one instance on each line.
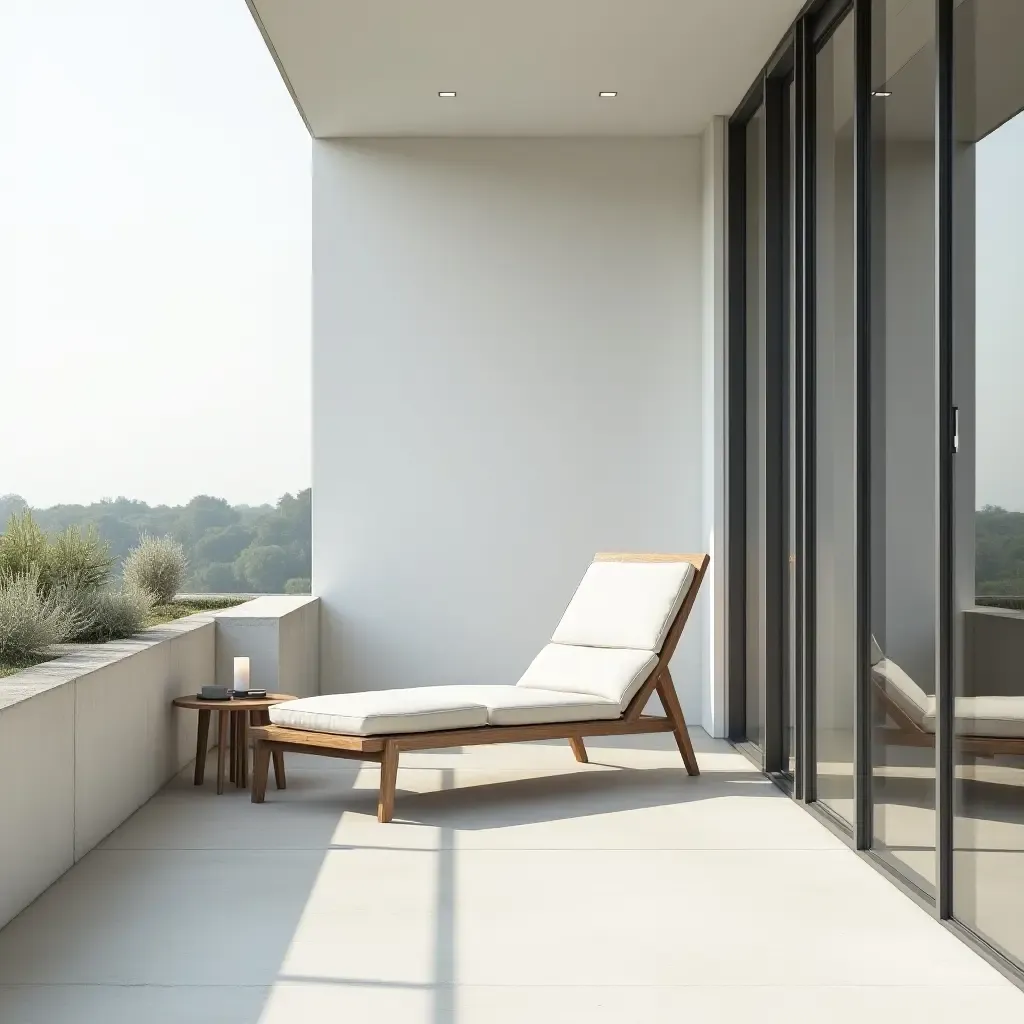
(903,691)
(614,674)
(876,651)
(625,604)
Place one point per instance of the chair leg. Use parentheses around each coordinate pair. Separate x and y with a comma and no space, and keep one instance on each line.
(260,771)
(670,702)
(279,777)
(388,781)
(263,718)
(578,749)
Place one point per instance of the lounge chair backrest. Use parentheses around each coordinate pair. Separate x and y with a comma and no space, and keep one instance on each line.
(625,604)
(628,610)
(903,691)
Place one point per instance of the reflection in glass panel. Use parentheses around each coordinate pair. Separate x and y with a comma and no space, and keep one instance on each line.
(903,424)
(755,496)
(834,427)
(988,861)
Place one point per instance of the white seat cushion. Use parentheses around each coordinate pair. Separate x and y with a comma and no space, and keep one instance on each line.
(985,716)
(625,604)
(377,712)
(612,674)
(521,705)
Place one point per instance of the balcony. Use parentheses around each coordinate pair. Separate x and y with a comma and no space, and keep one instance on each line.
(513,885)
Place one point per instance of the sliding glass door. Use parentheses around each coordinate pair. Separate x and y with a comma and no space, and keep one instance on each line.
(877,442)
(834,469)
(902,426)
(988,480)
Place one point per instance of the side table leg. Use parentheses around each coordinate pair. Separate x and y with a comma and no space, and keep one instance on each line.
(233,746)
(222,747)
(243,750)
(202,743)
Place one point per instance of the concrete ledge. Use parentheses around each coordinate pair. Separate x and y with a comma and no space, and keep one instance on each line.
(281,637)
(85,740)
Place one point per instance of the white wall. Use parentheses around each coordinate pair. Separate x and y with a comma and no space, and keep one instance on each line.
(507,378)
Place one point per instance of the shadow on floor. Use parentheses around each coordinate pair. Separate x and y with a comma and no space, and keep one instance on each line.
(548,798)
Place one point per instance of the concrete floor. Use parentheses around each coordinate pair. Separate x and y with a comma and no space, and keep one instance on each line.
(514,886)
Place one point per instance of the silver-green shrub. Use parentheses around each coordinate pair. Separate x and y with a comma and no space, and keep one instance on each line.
(78,560)
(73,560)
(31,620)
(109,614)
(157,566)
(23,547)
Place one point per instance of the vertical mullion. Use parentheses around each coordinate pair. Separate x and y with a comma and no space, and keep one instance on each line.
(736,442)
(796,406)
(862,348)
(944,675)
(774,278)
(804,70)
(794,409)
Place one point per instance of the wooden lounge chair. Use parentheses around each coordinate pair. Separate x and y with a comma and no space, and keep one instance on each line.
(985,726)
(608,656)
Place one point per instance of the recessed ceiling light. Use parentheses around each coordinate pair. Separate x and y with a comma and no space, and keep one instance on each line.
(607,95)
(447,95)
(882,94)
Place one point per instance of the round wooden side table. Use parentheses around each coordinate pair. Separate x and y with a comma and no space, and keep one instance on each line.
(236,715)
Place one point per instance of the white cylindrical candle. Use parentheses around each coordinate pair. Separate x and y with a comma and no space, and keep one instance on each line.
(241,673)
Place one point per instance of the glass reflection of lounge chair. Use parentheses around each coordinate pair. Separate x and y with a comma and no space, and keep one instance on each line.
(985,726)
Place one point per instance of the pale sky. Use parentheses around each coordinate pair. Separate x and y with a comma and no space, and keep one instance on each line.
(154,255)
(155,262)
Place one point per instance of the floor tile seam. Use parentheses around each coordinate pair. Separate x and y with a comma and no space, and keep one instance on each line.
(355,848)
(572,986)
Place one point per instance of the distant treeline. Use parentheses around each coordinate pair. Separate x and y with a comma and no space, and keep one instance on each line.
(999,558)
(263,549)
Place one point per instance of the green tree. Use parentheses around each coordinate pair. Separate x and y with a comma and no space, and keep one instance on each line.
(222,544)
(218,578)
(122,536)
(265,568)
(204,513)
(11,505)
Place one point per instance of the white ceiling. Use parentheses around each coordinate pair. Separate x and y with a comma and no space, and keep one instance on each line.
(520,67)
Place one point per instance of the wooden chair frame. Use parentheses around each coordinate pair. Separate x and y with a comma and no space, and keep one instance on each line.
(385,749)
(908,733)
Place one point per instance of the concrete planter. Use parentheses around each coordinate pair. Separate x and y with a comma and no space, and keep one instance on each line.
(87,739)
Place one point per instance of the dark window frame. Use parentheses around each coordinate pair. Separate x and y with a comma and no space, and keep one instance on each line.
(794,61)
